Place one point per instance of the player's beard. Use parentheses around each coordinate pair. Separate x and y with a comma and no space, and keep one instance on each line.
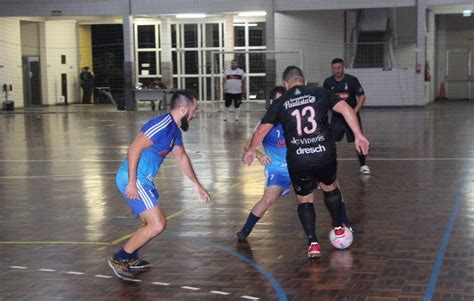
(185,123)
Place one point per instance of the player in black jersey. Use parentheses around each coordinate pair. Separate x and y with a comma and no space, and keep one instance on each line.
(349,89)
(311,150)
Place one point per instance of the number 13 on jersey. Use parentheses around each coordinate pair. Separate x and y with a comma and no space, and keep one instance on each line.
(309,114)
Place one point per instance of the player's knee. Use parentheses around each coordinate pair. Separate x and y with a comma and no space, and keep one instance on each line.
(156,228)
(269,200)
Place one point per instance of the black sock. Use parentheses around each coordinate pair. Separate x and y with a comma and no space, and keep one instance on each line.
(308,220)
(343,216)
(134,255)
(361,159)
(252,219)
(333,202)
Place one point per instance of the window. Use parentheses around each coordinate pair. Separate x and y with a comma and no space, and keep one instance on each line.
(147,63)
(146,36)
(257,34)
(190,36)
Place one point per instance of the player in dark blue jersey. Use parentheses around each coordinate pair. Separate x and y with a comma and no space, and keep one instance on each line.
(277,178)
(158,137)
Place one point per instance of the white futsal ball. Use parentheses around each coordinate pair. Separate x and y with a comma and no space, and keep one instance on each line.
(343,242)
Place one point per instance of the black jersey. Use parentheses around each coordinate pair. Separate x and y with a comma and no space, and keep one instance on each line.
(347,89)
(303,112)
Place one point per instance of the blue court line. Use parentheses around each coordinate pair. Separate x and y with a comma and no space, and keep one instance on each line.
(277,287)
(444,243)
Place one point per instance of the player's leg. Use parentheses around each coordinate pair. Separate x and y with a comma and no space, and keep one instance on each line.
(363,167)
(332,195)
(145,207)
(237,103)
(228,101)
(304,184)
(271,194)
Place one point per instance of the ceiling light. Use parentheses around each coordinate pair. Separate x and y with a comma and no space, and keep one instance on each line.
(253,14)
(190,16)
(467,13)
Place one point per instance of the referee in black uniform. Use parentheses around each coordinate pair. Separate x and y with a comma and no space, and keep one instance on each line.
(311,151)
(349,89)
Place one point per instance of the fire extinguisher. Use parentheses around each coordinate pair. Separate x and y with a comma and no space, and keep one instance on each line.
(427,72)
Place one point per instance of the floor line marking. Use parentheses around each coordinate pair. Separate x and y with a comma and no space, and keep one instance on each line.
(47,270)
(160,283)
(249,297)
(192,288)
(444,243)
(220,293)
(74,273)
(18,267)
(103,276)
(53,242)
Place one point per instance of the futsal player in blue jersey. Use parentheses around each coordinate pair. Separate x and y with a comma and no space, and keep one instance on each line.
(158,137)
(277,182)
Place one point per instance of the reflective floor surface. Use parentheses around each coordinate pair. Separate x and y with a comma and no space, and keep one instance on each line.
(61,215)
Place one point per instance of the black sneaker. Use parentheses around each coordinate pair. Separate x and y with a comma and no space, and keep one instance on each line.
(138,264)
(354,229)
(121,268)
(242,235)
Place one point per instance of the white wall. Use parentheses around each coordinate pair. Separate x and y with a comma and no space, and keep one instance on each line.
(10,58)
(404,22)
(319,34)
(60,38)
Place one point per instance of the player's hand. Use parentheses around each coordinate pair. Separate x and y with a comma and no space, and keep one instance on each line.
(265,160)
(131,191)
(362,145)
(204,196)
(249,157)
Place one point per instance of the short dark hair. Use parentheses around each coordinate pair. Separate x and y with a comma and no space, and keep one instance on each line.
(181,98)
(337,61)
(275,91)
(292,72)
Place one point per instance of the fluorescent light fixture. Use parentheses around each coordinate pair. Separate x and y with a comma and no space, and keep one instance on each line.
(253,14)
(467,13)
(190,16)
(243,24)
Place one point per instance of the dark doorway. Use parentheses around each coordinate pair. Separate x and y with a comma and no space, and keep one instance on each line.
(32,80)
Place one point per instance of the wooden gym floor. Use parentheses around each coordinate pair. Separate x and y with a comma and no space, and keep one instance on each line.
(61,216)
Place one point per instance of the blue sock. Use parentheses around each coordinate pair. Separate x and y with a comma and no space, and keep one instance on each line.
(250,223)
(121,254)
(134,255)
(343,214)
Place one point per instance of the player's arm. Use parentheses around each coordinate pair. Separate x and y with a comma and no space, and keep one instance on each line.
(361,143)
(186,167)
(261,157)
(135,150)
(257,138)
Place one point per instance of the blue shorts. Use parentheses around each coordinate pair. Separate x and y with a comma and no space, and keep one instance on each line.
(147,194)
(278,178)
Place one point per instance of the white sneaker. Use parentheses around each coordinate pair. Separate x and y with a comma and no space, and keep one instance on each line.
(364,169)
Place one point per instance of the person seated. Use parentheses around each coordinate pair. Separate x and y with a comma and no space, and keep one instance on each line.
(157,84)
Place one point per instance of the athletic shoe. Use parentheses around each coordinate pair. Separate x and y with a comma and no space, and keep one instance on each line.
(237,119)
(339,231)
(242,235)
(353,228)
(365,170)
(314,250)
(138,264)
(225,118)
(121,268)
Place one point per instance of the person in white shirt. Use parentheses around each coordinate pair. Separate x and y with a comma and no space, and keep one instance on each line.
(233,85)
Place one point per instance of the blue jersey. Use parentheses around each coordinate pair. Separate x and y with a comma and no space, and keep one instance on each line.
(275,148)
(165,135)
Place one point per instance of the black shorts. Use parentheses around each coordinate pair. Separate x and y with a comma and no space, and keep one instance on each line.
(339,127)
(235,98)
(305,181)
